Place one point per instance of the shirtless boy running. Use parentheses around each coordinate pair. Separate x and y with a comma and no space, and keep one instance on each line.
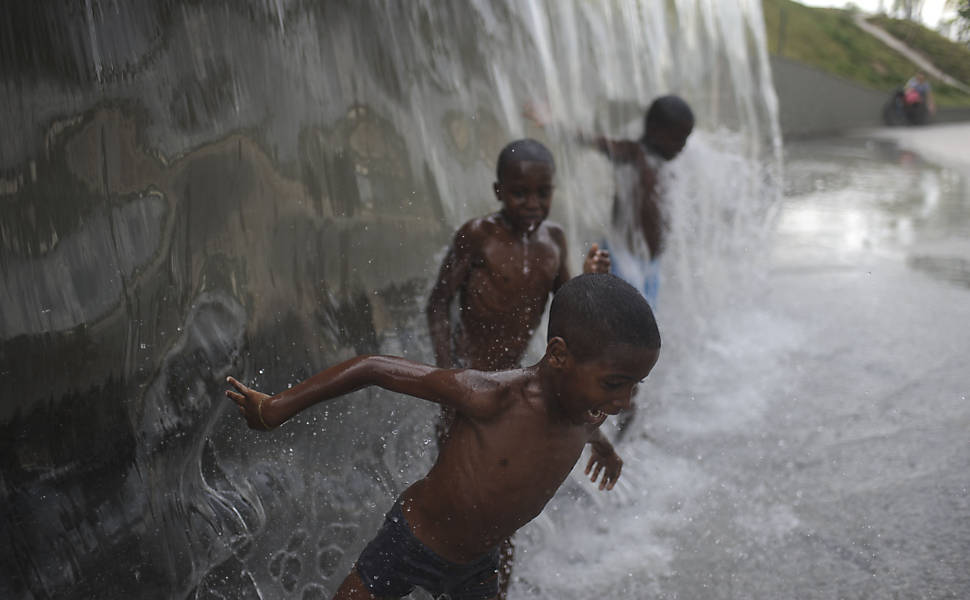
(516,437)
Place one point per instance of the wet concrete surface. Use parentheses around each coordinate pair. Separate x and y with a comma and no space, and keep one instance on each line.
(808,437)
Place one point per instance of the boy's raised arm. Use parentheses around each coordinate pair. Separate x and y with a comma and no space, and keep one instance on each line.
(618,151)
(454,272)
(466,391)
(615,150)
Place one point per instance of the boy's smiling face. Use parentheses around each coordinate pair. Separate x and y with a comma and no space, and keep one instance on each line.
(525,191)
(605,385)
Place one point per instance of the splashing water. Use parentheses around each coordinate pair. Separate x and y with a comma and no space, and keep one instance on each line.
(193,189)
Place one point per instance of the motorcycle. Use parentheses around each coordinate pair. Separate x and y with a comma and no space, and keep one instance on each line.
(905,107)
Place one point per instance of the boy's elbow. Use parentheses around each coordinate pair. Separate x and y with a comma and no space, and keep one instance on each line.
(367,370)
(373,369)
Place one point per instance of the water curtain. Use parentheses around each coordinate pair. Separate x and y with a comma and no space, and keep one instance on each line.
(265,187)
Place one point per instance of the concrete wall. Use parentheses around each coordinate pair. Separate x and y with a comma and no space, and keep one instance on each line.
(950,115)
(813,102)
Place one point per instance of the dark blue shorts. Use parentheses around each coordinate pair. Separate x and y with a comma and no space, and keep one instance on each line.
(395,561)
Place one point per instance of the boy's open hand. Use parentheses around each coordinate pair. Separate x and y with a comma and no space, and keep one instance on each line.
(597,261)
(607,461)
(250,403)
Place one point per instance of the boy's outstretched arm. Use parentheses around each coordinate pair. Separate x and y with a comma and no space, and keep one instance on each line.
(604,459)
(615,150)
(454,272)
(541,116)
(618,151)
(470,392)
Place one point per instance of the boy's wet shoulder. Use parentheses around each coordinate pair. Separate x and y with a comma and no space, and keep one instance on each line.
(491,232)
(475,231)
(482,225)
(487,227)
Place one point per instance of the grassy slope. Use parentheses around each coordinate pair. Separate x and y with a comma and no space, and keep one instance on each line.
(826,38)
(950,57)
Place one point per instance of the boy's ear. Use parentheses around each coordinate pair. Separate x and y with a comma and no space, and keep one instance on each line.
(558,353)
(497,188)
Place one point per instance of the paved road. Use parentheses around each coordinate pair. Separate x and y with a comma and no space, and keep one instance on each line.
(811,441)
(836,435)
(947,144)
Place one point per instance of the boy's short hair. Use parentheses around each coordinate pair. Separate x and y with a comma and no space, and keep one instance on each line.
(669,110)
(596,309)
(526,149)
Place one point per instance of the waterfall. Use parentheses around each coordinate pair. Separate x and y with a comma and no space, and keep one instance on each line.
(262,188)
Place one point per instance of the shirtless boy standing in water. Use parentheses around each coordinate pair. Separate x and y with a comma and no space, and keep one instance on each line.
(639,224)
(637,202)
(516,437)
(503,268)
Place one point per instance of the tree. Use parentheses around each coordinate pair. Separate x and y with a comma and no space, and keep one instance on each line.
(961,22)
(908,9)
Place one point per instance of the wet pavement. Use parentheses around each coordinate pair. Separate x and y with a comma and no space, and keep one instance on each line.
(814,442)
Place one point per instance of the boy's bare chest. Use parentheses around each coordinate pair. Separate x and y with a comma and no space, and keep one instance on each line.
(508,263)
(523,449)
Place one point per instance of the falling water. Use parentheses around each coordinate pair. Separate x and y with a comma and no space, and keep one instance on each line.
(525,251)
(189,190)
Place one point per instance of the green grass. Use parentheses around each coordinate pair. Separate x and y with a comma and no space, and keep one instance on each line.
(949,56)
(828,39)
